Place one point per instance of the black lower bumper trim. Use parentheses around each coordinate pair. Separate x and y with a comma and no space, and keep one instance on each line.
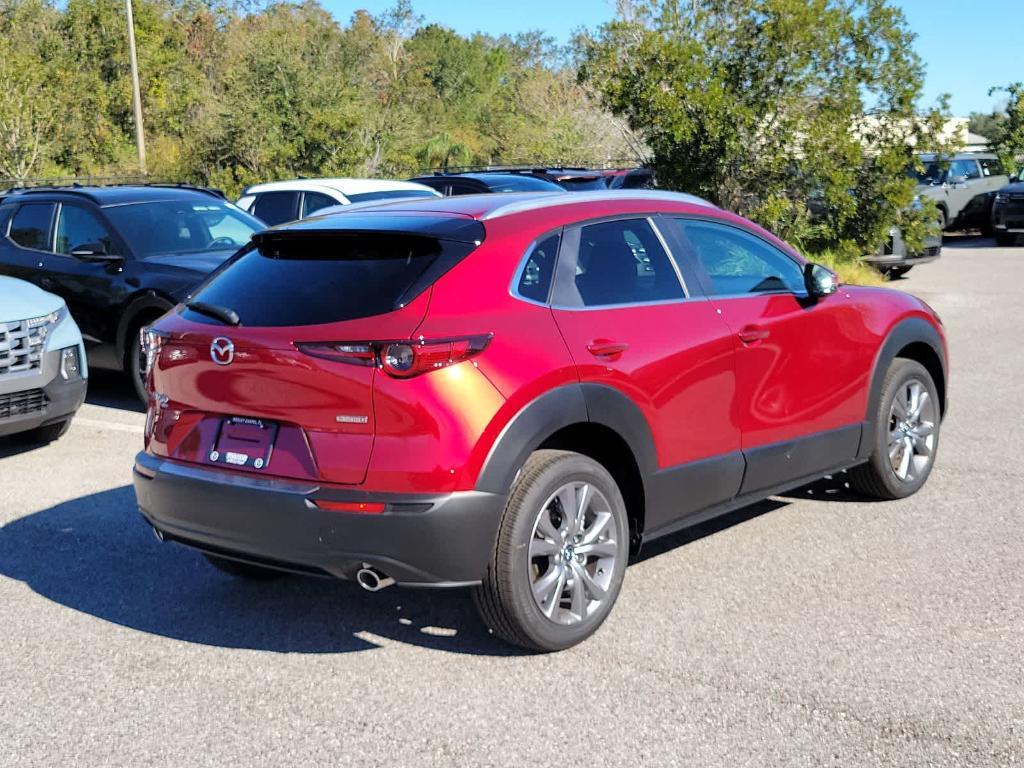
(62,400)
(429,540)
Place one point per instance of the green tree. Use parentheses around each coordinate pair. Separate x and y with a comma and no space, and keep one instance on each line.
(763,105)
(1007,136)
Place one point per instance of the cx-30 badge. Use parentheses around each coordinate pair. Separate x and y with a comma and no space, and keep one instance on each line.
(222,351)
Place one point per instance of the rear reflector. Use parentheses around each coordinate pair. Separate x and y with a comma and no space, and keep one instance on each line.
(359,507)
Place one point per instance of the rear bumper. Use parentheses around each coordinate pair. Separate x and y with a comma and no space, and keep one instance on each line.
(423,540)
(894,253)
(27,410)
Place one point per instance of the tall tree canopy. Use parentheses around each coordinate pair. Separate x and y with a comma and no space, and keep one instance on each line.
(764,105)
(238,92)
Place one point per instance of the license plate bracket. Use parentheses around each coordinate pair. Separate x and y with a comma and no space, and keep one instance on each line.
(244,443)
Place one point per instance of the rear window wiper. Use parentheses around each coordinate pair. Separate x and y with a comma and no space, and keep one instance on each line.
(225,315)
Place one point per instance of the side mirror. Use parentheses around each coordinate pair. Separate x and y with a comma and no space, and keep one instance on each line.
(820,281)
(956,181)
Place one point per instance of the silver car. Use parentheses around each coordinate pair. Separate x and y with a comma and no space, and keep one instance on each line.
(963,187)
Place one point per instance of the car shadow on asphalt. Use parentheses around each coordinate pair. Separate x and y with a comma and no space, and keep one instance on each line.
(112,390)
(96,555)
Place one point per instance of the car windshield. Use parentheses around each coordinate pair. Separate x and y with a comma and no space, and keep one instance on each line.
(932,173)
(523,184)
(182,226)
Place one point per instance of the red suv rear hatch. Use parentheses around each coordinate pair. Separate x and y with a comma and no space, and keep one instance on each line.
(247,397)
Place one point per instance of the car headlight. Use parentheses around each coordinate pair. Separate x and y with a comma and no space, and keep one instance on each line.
(47,322)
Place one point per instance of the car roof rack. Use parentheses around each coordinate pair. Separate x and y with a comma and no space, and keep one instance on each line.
(83,185)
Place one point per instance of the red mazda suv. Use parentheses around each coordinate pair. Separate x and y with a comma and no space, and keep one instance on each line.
(514,392)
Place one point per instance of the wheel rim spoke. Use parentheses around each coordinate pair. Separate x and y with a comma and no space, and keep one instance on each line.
(606,548)
(912,431)
(577,596)
(573,553)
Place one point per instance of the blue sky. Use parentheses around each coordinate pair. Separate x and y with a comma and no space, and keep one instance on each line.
(968,45)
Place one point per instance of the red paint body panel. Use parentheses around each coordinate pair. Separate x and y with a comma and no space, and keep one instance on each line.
(686,391)
(702,390)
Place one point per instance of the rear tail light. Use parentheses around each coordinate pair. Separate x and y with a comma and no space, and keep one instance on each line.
(401,359)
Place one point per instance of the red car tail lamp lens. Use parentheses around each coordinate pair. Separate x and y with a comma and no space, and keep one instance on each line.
(359,507)
(401,359)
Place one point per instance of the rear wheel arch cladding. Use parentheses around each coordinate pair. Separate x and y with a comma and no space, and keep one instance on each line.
(562,408)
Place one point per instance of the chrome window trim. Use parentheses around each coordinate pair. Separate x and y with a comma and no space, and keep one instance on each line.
(630,304)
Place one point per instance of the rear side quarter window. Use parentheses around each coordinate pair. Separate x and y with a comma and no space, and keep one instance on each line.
(538,268)
(31,224)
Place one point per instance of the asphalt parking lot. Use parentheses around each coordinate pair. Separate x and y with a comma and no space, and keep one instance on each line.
(813,629)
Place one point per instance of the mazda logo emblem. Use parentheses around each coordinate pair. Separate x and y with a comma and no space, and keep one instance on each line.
(222,351)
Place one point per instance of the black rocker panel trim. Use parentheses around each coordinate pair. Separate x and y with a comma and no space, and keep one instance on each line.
(678,492)
(769,465)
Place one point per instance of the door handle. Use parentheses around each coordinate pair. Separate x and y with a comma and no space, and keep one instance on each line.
(606,348)
(752,334)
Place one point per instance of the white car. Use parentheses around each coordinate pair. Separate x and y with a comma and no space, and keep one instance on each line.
(42,362)
(279,201)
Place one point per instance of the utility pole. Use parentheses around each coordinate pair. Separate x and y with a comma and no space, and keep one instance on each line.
(140,136)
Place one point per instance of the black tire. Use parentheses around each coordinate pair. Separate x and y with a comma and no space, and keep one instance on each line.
(877,478)
(895,273)
(48,433)
(1005,240)
(134,362)
(505,599)
(242,570)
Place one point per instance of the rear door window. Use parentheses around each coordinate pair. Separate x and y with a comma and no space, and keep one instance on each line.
(30,226)
(276,207)
(314,201)
(311,279)
(617,262)
(990,166)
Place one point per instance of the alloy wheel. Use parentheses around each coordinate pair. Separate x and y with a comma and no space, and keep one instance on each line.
(573,553)
(912,419)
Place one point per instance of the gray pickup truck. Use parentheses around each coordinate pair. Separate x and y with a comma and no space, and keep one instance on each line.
(963,187)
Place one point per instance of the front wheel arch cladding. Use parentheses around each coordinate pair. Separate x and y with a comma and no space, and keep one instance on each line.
(913,330)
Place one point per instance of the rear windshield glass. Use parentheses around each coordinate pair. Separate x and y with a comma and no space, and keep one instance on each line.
(388,194)
(311,279)
(582,183)
(523,184)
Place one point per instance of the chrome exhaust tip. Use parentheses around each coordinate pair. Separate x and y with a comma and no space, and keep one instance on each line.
(372,580)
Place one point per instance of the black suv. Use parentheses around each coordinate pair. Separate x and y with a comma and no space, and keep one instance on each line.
(484,182)
(120,256)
